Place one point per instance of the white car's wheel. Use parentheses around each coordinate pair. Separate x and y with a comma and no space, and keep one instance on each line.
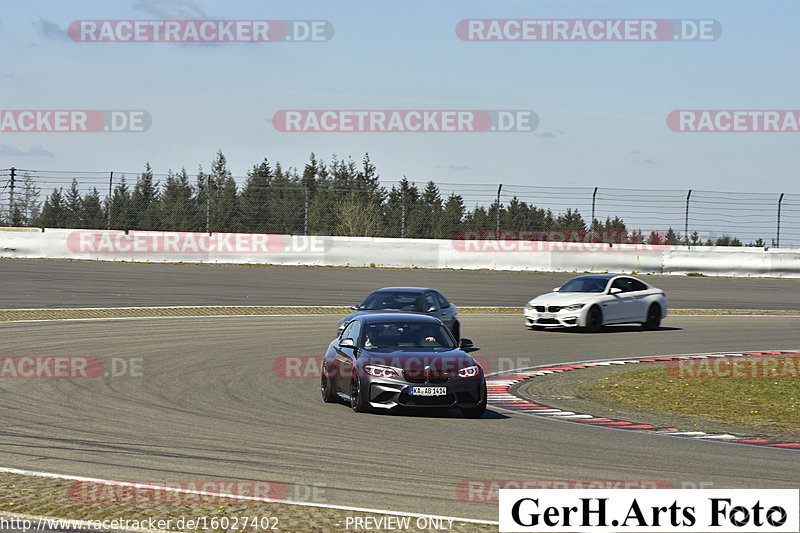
(653,318)
(594,320)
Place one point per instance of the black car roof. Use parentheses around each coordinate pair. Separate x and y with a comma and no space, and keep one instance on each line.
(396,317)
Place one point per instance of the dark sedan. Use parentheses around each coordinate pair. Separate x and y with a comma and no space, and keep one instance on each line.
(408,300)
(386,360)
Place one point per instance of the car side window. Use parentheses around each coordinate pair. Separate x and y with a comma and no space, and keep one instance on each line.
(620,284)
(430,301)
(348,331)
(443,303)
(355,331)
(637,285)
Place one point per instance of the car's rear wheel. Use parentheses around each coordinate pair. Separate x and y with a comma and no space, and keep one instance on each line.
(358,401)
(475,412)
(594,320)
(457,331)
(653,318)
(326,387)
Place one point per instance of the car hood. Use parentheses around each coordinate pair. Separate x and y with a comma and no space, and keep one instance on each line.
(413,363)
(354,314)
(565,298)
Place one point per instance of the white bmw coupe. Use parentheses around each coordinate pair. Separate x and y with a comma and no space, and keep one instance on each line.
(596,300)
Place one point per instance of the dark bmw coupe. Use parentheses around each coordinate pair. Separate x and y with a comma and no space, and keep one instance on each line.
(408,300)
(383,361)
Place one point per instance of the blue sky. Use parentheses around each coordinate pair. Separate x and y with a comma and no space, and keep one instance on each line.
(602,107)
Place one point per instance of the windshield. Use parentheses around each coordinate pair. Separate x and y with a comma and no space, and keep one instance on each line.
(399,335)
(585,285)
(402,301)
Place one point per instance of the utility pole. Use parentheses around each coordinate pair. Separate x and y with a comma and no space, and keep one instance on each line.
(778,238)
(499,188)
(686,218)
(108,201)
(12,212)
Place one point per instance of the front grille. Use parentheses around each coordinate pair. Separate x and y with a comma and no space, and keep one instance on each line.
(539,308)
(547,321)
(432,379)
(554,308)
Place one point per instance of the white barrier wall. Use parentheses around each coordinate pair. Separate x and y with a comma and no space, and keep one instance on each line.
(384,252)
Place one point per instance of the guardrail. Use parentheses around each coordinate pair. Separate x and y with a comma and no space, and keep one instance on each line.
(274,249)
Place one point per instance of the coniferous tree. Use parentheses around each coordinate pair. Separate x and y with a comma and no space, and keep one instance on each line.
(74,206)
(54,212)
(452,217)
(144,201)
(254,201)
(121,216)
(177,203)
(93,215)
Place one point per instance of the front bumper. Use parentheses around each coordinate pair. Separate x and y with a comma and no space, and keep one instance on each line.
(388,394)
(562,318)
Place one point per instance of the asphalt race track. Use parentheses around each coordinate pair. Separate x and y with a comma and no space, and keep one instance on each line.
(41,283)
(210,406)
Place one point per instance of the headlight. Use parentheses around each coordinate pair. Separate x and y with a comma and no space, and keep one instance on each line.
(382,371)
(573,307)
(528,306)
(469,372)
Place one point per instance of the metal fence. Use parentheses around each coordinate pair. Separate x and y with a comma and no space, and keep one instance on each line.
(285,201)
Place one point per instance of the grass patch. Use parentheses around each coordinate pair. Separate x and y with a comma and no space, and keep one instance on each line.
(763,403)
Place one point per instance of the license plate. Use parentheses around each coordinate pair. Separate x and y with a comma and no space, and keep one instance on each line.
(428,391)
(547,315)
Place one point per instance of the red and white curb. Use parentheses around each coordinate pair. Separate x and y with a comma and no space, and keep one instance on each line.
(502,394)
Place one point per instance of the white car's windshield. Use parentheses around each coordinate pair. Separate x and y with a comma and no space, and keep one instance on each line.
(585,285)
(400,335)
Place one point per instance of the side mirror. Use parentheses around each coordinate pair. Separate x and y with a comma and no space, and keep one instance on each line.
(347,343)
(466,343)
(557,289)
(432,309)
(615,290)
(354,307)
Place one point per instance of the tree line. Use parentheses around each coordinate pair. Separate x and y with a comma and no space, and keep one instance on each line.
(341,197)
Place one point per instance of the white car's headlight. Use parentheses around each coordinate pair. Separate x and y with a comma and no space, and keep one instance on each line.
(469,372)
(382,371)
(573,307)
(529,306)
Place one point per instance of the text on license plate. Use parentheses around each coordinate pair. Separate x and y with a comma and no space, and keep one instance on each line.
(428,391)
(547,315)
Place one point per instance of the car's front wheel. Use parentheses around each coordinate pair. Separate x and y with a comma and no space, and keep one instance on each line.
(326,387)
(358,401)
(653,318)
(475,412)
(594,320)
